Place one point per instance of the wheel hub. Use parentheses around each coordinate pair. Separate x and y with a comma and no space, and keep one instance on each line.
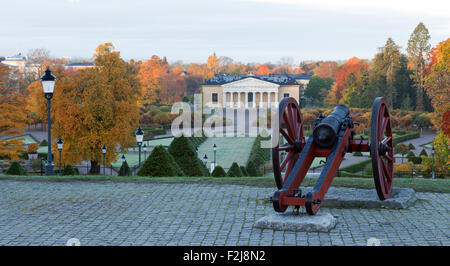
(297,146)
(383,148)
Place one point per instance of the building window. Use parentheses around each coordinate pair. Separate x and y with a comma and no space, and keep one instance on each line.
(215,98)
(286,95)
(250,97)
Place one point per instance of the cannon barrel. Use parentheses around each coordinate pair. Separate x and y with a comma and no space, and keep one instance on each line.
(325,134)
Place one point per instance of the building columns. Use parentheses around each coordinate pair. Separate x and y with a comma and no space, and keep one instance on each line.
(246,100)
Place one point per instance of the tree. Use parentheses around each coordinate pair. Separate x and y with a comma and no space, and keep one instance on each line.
(16,169)
(326,69)
(212,65)
(218,172)
(235,170)
(12,116)
(437,83)
(418,47)
(263,70)
(95,107)
(317,88)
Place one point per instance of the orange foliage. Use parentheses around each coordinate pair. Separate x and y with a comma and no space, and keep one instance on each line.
(263,70)
(326,69)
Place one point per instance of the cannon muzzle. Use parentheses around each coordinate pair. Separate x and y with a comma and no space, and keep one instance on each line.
(325,134)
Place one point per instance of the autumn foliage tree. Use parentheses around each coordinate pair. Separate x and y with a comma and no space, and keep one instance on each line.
(263,70)
(12,116)
(96,107)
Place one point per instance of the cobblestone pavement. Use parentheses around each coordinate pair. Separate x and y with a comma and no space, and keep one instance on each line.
(117,213)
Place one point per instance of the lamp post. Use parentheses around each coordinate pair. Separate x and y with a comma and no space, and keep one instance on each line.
(139,137)
(432,156)
(104,159)
(145,152)
(205,159)
(48,84)
(123,162)
(214,149)
(60,143)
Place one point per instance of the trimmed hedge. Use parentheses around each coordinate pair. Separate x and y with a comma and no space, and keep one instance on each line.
(353,168)
(44,143)
(185,156)
(160,163)
(408,136)
(415,160)
(410,154)
(358,153)
(16,169)
(411,146)
(243,170)
(235,170)
(219,172)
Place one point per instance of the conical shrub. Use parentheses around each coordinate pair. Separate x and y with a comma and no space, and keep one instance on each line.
(251,169)
(219,172)
(185,155)
(243,170)
(69,170)
(124,169)
(16,169)
(160,163)
(235,170)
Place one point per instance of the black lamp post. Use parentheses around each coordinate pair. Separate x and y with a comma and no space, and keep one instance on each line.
(48,84)
(104,159)
(214,149)
(145,152)
(205,159)
(60,143)
(123,162)
(432,156)
(139,137)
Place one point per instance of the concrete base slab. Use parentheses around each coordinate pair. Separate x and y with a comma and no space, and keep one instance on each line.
(294,221)
(401,198)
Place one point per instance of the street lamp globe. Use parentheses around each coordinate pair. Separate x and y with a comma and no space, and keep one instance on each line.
(205,159)
(48,83)
(214,147)
(139,135)
(104,149)
(123,158)
(145,147)
(60,144)
(432,150)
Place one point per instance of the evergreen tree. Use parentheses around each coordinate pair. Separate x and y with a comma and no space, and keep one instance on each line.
(185,155)
(219,172)
(243,170)
(418,47)
(160,163)
(251,169)
(235,170)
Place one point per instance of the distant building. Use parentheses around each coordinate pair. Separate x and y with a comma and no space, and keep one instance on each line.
(79,65)
(16,61)
(251,91)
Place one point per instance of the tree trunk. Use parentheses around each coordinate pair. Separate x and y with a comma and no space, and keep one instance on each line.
(95,168)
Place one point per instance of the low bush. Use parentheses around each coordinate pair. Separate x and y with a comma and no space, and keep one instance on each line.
(358,153)
(16,169)
(235,170)
(415,160)
(356,167)
(243,170)
(69,170)
(410,154)
(44,143)
(219,172)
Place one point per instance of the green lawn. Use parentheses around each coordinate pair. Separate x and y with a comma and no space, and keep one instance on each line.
(419,185)
(229,150)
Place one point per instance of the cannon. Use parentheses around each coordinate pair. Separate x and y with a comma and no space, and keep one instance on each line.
(332,137)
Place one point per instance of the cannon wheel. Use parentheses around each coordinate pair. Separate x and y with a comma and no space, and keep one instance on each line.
(381,148)
(291,137)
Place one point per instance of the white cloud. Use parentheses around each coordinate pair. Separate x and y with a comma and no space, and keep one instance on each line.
(413,7)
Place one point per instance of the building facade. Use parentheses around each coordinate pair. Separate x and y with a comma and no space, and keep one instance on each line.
(252,91)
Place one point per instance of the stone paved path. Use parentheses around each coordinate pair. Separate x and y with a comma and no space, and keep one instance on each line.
(115,213)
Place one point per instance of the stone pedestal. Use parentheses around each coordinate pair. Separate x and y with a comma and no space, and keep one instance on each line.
(293,221)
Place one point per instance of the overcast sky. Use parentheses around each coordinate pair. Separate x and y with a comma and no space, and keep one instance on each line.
(245,30)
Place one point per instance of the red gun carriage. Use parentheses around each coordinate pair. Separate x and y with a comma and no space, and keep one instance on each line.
(332,137)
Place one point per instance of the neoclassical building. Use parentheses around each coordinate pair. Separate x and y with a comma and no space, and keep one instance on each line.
(252,91)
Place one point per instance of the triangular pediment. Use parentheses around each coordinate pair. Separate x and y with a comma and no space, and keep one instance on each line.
(250,82)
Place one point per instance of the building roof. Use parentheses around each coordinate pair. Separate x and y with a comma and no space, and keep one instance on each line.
(300,76)
(273,78)
(81,64)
